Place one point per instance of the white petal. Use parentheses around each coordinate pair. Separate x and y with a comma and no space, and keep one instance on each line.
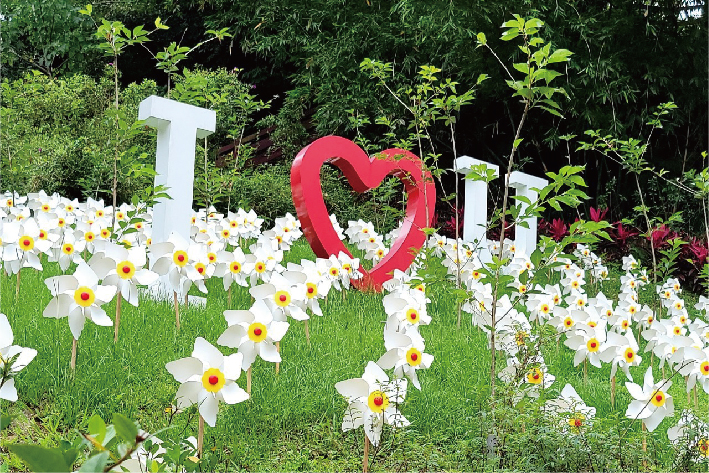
(232,336)
(209,408)
(188,394)
(232,393)
(353,388)
(76,322)
(277,330)
(184,368)
(389,359)
(8,391)
(207,353)
(268,352)
(5,332)
(232,366)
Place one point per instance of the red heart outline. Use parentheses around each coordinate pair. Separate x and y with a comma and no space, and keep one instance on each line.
(363,173)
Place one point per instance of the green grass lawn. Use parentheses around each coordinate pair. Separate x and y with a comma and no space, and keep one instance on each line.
(293,420)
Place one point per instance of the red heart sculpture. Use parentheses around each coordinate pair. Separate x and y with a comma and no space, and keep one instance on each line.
(363,173)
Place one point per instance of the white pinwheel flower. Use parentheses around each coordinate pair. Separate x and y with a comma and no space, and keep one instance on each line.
(336,226)
(79,297)
(12,359)
(630,263)
(373,402)
(207,378)
(253,332)
(405,353)
(534,381)
(587,343)
(621,351)
(317,285)
(173,259)
(407,311)
(68,251)
(124,269)
(651,403)
(263,261)
(283,295)
(230,267)
(693,364)
(569,405)
(23,245)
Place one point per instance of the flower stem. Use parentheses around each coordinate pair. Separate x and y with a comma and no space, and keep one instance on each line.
(200,437)
(119,299)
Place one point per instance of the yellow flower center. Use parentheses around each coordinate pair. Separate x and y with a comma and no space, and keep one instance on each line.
(61,222)
(378,401)
(26,242)
(180,258)
(658,398)
(282,298)
(105,233)
(67,248)
(235,267)
(629,355)
(311,290)
(84,296)
(592,345)
(592,324)
(226,234)
(45,208)
(212,257)
(545,308)
(703,446)
(125,269)
(334,271)
(201,268)
(42,235)
(568,322)
(233,224)
(213,380)
(257,332)
(534,376)
(413,357)
(412,316)
(704,368)
(260,267)
(89,236)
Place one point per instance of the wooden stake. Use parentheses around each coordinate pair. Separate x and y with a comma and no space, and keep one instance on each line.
(696,403)
(17,287)
(177,310)
(307,332)
(248,381)
(365,460)
(72,363)
(119,299)
(278,349)
(613,392)
(187,300)
(200,437)
(228,303)
(644,445)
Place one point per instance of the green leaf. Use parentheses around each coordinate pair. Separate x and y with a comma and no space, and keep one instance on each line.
(95,463)
(517,142)
(521,67)
(509,35)
(125,428)
(560,55)
(5,420)
(482,40)
(40,459)
(97,428)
